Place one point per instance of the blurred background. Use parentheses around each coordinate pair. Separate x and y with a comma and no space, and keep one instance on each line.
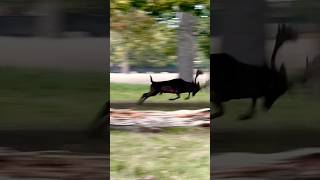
(264,146)
(167,40)
(53,71)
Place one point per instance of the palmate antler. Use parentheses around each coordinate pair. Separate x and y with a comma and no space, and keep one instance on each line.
(285,33)
(197,74)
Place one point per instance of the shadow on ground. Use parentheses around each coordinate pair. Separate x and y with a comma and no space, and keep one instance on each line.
(263,141)
(159,106)
(74,141)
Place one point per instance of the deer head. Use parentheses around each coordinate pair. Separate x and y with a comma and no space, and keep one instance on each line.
(278,82)
(197,84)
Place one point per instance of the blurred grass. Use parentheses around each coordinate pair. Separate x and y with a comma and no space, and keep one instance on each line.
(293,122)
(296,110)
(32,98)
(174,154)
(131,93)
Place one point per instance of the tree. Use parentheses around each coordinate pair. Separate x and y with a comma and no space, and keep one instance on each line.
(164,46)
(186,39)
(243,30)
(136,36)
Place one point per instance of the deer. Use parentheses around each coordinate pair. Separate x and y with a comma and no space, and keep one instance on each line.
(232,79)
(174,86)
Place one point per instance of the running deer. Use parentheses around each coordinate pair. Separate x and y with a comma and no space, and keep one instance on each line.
(174,86)
(232,79)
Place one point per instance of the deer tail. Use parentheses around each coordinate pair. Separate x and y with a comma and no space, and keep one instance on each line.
(151,79)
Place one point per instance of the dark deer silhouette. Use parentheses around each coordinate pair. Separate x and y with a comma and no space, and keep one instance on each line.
(232,79)
(174,86)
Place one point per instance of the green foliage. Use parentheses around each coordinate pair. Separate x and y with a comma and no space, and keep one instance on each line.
(119,5)
(137,36)
(203,40)
(138,3)
(161,6)
(203,35)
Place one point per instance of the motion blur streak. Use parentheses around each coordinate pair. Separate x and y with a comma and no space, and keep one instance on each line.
(54,60)
(277,144)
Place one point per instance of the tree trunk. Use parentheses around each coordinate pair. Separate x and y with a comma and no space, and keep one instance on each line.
(186,46)
(242,27)
(125,67)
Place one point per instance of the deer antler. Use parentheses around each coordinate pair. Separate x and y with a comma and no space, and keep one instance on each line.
(197,74)
(284,34)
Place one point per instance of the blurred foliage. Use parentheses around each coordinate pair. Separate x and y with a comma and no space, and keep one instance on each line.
(89,7)
(306,10)
(144,32)
(137,36)
(203,38)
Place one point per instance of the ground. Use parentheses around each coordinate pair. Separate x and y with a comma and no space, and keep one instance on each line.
(172,154)
(50,110)
(32,102)
(168,153)
(291,125)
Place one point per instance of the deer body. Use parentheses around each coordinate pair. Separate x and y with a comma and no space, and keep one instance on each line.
(232,79)
(174,86)
(228,74)
(235,80)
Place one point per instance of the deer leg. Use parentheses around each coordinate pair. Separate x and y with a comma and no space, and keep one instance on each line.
(146,96)
(219,110)
(251,111)
(188,97)
(178,96)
